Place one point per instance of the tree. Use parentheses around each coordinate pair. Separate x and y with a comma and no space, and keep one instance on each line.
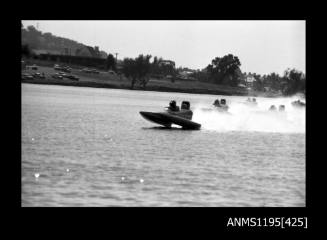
(273,81)
(26,50)
(161,68)
(111,62)
(201,76)
(31,28)
(167,69)
(155,66)
(137,70)
(143,68)
(294,82)
(129,70)
(225,70)
(258,84)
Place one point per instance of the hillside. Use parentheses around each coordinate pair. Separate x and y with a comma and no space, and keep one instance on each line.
(37,40)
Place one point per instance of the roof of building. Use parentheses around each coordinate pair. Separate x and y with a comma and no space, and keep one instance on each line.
(166,62)
(250,79)
(103,54)
(44,51)
(92,51)
(185,72)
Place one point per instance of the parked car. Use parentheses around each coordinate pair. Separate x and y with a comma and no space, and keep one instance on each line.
(39,75)
(62,74)
(86,70)
(27,76)
(57,67)
(95,71)
(112,72)
(72,77)
(57,76)
(62,68)
(66,69)
(33,67)
(90,70)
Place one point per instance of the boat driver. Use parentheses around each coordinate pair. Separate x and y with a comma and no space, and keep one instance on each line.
(172,106)
(216,103)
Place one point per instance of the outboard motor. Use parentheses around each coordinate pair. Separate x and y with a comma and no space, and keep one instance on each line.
(185,105)
(187,112)
(223,101)
(281,108)
(272,108)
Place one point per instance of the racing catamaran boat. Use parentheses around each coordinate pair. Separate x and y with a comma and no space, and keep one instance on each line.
(173,115)
(221,106)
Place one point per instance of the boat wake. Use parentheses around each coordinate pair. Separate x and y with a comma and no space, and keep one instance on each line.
(258,118)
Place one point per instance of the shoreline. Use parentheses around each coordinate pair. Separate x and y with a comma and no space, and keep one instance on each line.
(72,83)
(114,86)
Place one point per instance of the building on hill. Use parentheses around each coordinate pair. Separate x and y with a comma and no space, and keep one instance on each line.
(241,85)
(166,62)
(248,80)
(186,74)
(68,52)
(94,51)
(103,55)
(88,51)
(83,52)
(91,51)
(45,51)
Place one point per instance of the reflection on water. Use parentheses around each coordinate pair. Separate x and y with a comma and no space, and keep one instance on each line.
(90,147)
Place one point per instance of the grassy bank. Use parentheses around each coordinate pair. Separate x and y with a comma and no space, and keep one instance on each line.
(106,80)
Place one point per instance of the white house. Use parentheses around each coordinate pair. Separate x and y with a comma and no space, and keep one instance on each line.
(249,80)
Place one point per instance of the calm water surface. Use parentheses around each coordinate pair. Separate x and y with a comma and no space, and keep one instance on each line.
(90,147)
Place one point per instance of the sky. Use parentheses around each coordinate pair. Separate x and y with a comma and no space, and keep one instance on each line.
(263,47)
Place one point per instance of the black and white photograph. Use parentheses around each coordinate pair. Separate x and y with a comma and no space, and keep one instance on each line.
(163,113)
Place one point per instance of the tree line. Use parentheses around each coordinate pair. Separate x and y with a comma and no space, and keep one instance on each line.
(35,39)
(291,82)
(139,70)
(222,70)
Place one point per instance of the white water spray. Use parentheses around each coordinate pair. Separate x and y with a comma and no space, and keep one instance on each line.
(258,118)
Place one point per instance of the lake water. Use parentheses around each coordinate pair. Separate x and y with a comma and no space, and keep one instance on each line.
(91,147)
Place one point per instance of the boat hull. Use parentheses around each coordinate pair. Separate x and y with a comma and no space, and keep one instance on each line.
(167,120)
